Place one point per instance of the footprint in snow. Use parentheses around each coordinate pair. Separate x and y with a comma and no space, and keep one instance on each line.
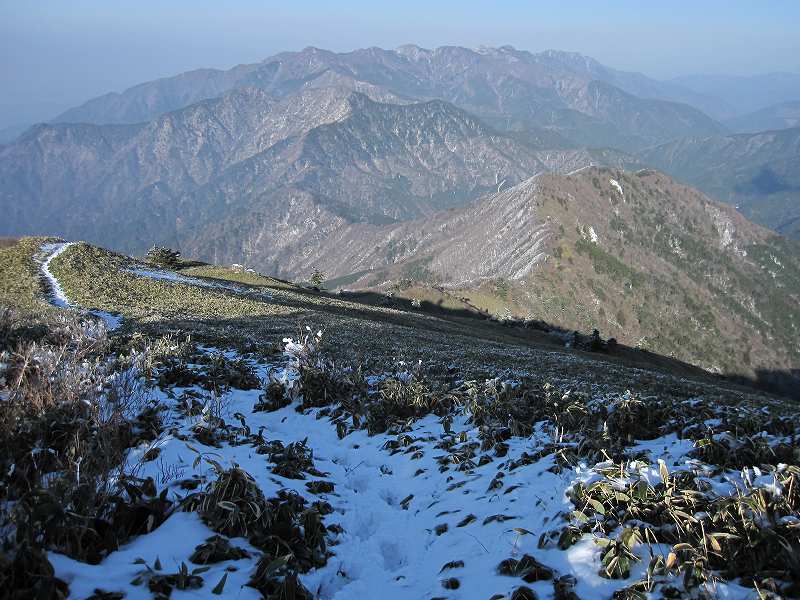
(357,481)
(389,497)
(393,556)
(365,525)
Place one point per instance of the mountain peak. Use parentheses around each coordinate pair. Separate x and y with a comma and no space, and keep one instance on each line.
(412,51)
(507,48)
(314,50)
(574,60)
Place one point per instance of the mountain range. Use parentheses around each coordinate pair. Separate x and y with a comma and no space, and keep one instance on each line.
(562,91)
(784,115)
(462,171)
(353,135)
(743,93)
(323,153)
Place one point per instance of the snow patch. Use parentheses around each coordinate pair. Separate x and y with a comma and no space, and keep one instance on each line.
(170,276)
(53,250)
(389,542)
(57,295)
(589,166)
(392,505)
(618,187)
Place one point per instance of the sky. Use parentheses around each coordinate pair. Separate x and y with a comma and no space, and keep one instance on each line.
(55,54)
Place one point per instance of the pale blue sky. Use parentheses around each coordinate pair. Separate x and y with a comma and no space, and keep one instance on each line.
(57,53)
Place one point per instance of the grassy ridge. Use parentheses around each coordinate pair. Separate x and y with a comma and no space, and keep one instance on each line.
(20,281)
(377,336)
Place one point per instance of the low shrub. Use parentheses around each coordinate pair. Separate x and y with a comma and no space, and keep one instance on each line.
(161,256)
(234,505)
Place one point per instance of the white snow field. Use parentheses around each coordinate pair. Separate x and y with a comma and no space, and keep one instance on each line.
(393,506)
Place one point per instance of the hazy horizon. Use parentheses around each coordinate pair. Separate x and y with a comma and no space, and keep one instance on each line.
(59,55)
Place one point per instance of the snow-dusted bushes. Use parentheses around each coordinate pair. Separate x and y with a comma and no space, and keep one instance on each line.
(234,505)
(728,512)
(215,372)
(70,411)
(291,536)
(320,382)
(752,534)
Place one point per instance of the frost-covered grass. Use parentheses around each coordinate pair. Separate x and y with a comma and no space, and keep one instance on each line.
(173,277)
(235,275)
(54,291)
(69,411)
(20,283)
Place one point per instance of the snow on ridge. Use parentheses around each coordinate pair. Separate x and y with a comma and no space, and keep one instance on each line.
(161,275)
(618,187)
(583,168)
(172,277)
(52,250)
(58,297)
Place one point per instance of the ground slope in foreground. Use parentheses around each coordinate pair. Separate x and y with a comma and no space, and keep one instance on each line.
(233,463)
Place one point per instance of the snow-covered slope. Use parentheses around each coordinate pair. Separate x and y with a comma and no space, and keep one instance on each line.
(421,514)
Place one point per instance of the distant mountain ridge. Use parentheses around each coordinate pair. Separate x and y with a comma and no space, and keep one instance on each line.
(556,90)
(745,94)
(759,173)
(785,115)
(370,136)
(247,157)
